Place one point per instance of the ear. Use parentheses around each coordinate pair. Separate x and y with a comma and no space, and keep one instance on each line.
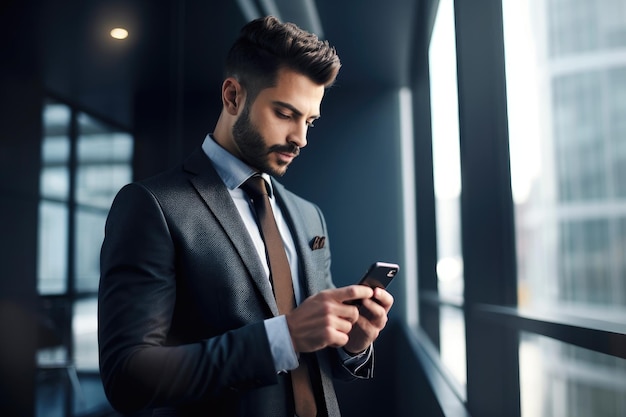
(233,96)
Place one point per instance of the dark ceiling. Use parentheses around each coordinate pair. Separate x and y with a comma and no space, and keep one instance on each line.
(180,45)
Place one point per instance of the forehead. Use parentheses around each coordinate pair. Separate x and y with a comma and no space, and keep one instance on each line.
(296,90)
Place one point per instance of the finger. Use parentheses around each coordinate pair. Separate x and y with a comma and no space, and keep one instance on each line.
(352,292)
(338,340)
(348,312)
(371,310)
(383,298)
(337,334)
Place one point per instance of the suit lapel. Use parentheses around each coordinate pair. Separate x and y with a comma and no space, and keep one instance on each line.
(216,196)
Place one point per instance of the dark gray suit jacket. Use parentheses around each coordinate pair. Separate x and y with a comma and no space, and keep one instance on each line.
(183,297)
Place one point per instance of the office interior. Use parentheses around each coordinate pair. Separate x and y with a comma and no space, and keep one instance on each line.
(480,144)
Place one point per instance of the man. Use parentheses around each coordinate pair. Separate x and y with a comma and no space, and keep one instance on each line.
(191,320)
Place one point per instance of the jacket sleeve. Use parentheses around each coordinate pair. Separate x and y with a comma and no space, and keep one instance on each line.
(135,307)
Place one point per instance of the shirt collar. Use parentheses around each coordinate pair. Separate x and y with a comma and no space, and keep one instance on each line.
(232,170)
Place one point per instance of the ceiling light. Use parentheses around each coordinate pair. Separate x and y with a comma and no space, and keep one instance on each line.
(119,33)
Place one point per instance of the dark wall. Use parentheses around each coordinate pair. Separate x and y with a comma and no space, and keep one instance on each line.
(351,169)
(20,138)
(20,105)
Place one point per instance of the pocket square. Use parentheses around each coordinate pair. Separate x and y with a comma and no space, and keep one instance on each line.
(318,242)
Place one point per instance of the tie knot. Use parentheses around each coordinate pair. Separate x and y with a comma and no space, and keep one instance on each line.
(256,186)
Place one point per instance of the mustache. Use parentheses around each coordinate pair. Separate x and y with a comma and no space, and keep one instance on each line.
(289,148)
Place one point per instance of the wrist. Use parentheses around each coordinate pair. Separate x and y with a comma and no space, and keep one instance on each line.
(352,353)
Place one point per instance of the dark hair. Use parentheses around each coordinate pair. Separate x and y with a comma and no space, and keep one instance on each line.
(266,45)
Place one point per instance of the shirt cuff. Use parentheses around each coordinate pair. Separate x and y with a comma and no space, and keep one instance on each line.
(355,362)
(281,346)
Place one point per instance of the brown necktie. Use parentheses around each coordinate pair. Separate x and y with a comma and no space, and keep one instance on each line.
(280,275)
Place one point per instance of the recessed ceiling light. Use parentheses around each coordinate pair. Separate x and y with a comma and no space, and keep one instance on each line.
(119,33)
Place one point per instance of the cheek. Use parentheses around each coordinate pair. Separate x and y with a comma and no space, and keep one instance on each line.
(273,132)
(272,129)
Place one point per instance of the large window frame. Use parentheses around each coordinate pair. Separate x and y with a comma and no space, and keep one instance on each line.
(89,153)
(494,323)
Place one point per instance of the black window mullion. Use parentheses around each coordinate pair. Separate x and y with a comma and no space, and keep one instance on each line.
(73,168)
(424,181)
(486,208)
(71,241)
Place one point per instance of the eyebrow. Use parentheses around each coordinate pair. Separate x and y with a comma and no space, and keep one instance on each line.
(293,109)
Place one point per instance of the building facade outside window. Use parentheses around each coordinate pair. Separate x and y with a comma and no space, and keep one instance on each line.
(566,87)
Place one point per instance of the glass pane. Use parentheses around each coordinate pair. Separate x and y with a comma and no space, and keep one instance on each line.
(452,341)
(446,155)
(104,163)
(55,151)
(566,86)
(85,334)
(580,26)
(55,182)
(56,121)
(89,237)
(104,166)
(96,185)
(53,215)
(52,250)
(559,379)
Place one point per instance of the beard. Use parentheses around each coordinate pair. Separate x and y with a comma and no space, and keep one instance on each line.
(253,147)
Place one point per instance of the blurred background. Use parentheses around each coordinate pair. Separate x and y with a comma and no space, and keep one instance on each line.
(479,144)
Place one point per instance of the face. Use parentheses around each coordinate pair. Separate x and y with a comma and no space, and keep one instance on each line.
(270,131)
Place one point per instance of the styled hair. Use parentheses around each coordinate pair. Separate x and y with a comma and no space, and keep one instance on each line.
(265,45)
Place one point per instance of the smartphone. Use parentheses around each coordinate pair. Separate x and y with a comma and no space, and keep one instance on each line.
(378,275)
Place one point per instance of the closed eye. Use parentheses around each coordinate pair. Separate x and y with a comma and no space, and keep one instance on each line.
(282,115)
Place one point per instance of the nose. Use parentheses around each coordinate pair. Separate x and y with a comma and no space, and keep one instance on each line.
(298,135)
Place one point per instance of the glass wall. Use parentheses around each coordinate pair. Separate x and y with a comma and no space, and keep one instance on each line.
(447,183)
(84,163)
(566,86)
(559,379)
(53,206)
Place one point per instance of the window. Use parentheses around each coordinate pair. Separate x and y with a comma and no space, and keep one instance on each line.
(84,163)
(559,379)
(447,183)
(53,207)
(566,86)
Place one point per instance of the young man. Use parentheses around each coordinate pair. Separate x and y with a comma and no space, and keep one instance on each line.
(192,313)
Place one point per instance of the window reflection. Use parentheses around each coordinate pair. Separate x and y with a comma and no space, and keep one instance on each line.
(558,379)
(52,248)
(452,337)
(566,84)
(97,157)
(104,158)
(85,334)
(447,182)
(103,166)
(89,237)
(446,153)
(566,88)
(53,208)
